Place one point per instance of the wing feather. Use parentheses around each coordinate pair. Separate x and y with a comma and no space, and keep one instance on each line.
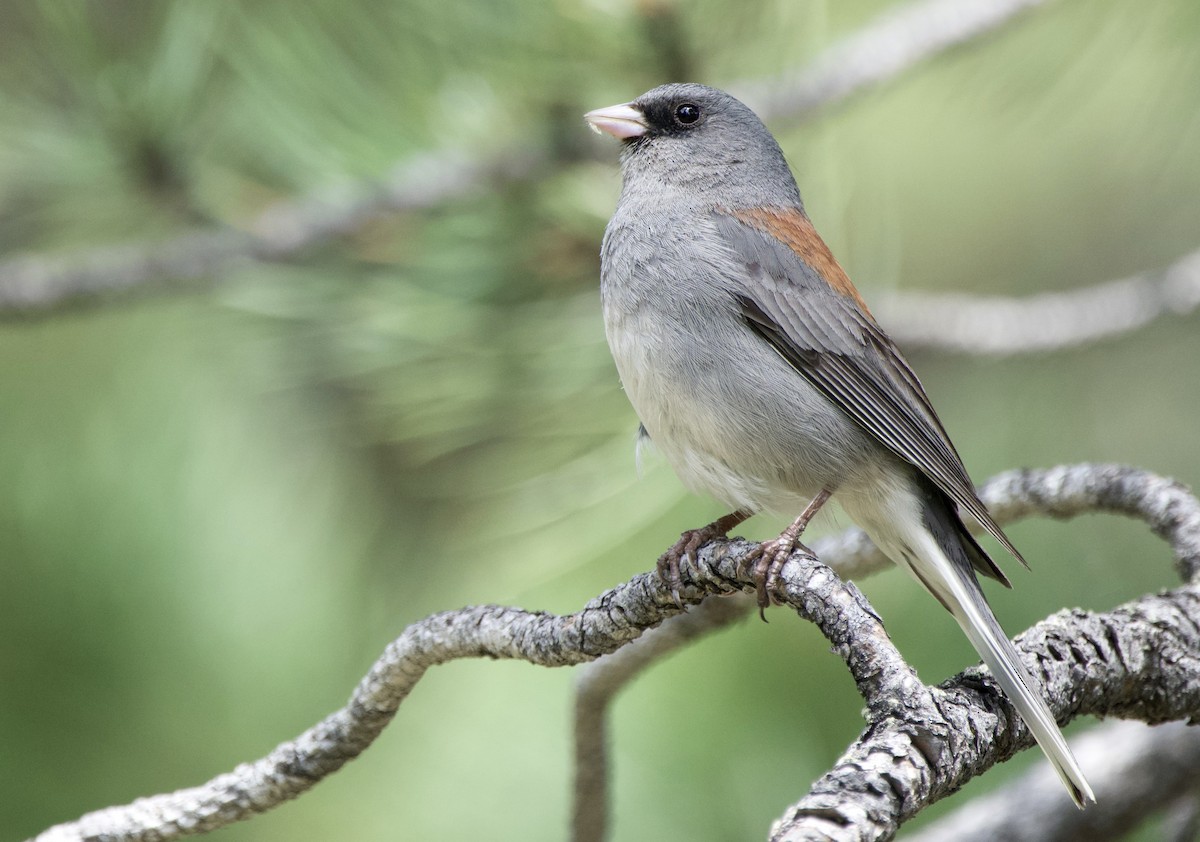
(798,300)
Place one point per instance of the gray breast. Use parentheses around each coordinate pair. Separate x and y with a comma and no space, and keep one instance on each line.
(732,418)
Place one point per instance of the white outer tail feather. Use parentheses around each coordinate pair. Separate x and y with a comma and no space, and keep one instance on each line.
(966,602)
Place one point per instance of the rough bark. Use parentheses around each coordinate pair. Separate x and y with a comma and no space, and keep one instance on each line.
(921,743)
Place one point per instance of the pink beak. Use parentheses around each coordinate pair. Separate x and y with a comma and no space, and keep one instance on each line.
(620,121)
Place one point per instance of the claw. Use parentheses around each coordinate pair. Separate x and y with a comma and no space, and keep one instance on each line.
(668,567)
(687,546)
(684,548)
(765,564)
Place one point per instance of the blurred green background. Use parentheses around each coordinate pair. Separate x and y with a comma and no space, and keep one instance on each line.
(218,505)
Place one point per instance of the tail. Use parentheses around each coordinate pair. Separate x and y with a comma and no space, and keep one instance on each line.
(941,558)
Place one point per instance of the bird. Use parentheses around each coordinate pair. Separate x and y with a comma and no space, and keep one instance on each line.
(760,374)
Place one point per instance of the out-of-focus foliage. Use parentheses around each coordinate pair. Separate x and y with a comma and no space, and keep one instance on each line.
(216,507)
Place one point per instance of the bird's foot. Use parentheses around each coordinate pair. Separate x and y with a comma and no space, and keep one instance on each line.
(770,556)
(688,544)
(765,563)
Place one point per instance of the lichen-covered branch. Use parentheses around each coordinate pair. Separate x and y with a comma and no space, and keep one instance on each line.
(1136,770)
(1140,661)
(1088,661)
(490,631)
(1166,506)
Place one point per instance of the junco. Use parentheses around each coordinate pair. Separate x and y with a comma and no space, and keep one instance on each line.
(760,374)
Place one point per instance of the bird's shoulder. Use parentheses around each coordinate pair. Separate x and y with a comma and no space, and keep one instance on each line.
(782,243)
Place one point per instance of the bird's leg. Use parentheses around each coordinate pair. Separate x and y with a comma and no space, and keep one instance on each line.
(771,555)
(689,542)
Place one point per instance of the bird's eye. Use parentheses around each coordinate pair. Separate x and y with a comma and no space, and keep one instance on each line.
(687,114)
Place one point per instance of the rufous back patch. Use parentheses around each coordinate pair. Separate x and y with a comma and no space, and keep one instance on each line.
(795,230)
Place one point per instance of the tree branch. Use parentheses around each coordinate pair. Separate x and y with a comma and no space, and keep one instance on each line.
(1166,506)
(1135,769)
(599,683)
(490,631)
(895,42)
(1182,822)
(998,326)
(881,51)
(1141,661)
(39,282)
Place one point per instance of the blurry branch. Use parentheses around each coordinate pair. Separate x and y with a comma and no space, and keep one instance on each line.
(1182,821)
(599,683)
(1166,506)
(893,43)
(1140,661)
(1048,322)
(38,282)
(663,25)
(1135,769)
(879,52)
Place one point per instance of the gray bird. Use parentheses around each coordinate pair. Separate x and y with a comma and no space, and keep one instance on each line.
(757,370)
